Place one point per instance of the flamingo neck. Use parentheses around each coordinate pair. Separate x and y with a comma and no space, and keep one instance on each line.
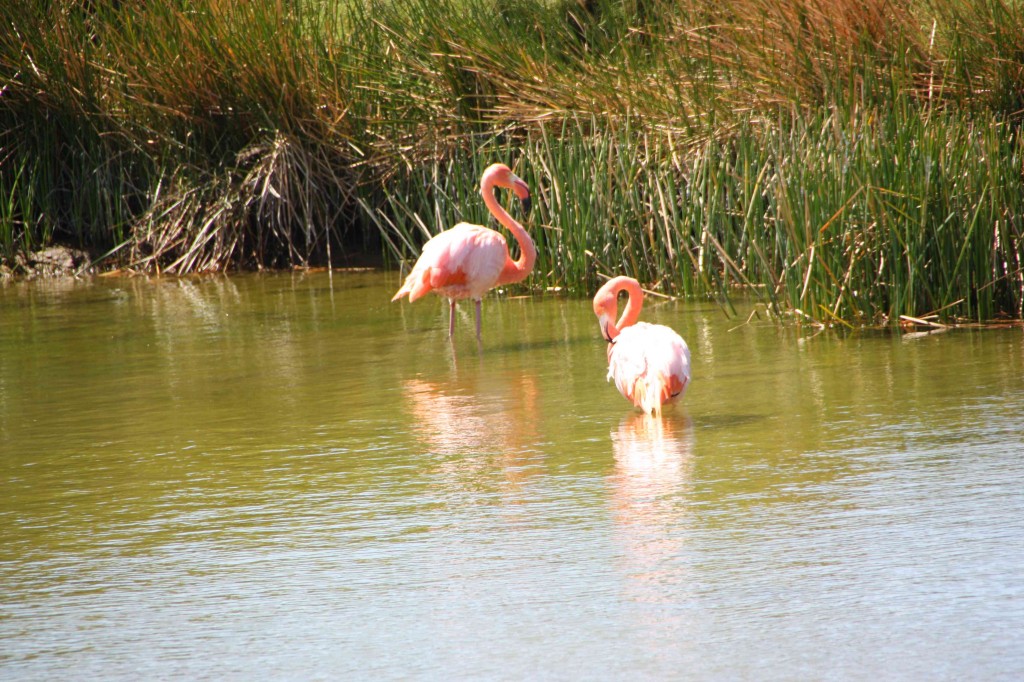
(514,270)
(631,313)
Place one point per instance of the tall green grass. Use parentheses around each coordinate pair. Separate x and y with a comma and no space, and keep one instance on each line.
(894,217)
(847,161)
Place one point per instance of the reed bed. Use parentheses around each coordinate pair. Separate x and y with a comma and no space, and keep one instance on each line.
(816,223)
(847,162)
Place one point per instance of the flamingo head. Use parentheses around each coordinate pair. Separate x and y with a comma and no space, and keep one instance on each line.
(604,307)
(500,175)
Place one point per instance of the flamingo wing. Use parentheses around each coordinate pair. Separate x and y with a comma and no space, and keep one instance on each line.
(463,262)
(650,365)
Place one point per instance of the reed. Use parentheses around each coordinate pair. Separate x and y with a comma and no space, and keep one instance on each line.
(845,162)
(815,221)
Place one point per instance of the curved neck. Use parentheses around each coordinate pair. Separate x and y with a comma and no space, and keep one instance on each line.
(631,313)
(515,270)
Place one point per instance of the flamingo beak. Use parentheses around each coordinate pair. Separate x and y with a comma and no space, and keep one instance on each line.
(522,191)
(527,204)
(603,322)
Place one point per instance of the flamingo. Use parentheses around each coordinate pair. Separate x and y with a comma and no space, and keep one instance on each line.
(650,363)
(468,260)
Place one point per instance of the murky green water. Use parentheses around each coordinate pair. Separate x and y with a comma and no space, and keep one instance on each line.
(289,477)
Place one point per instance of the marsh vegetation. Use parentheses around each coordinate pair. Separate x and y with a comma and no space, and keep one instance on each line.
(845,161)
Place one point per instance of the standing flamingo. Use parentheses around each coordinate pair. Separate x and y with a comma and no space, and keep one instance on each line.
(650,363)
(467,260)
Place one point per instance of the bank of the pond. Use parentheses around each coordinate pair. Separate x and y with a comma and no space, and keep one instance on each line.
(54,261)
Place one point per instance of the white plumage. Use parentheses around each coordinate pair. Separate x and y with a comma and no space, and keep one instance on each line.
(650,365)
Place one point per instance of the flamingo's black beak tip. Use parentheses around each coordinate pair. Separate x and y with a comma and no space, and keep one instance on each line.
(527,205)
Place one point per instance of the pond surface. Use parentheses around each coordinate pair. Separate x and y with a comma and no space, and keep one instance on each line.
(290,477)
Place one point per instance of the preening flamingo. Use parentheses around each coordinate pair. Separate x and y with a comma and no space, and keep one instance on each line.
(650,363)
(468,260)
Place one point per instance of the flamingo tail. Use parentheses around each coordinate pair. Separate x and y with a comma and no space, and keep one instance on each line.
(416,285)
(648,393)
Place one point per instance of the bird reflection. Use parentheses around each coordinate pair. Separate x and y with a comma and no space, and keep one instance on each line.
(653,471)
(472,424)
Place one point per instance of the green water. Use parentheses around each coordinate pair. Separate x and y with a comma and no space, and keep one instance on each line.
(289,477)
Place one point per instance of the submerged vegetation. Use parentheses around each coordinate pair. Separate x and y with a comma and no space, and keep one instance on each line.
(847,161)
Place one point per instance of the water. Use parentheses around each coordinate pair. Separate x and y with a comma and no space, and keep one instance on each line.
(289,477)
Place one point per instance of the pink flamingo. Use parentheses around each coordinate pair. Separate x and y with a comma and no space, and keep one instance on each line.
(650,363)
(468,260)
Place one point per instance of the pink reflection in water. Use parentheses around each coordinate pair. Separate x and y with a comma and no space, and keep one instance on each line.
(477,424)
(653,470)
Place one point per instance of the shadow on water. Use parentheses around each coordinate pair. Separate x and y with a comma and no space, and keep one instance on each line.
(727,421)
(513,347)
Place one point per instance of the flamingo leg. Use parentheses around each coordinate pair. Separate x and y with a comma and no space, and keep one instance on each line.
(477,319)
(451,317)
